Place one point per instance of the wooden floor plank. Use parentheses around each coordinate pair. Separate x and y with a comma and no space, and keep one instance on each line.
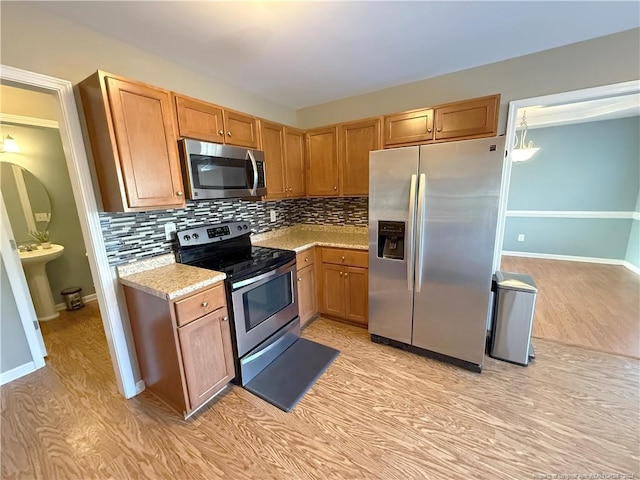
(586,304)
(377,413)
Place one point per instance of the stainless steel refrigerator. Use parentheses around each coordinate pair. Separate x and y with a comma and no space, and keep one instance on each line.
(433,213)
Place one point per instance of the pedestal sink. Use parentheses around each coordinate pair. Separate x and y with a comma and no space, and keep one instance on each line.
(33,263)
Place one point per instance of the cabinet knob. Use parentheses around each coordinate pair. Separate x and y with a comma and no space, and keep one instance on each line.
(221,133)
(343,258)
(225,319)
(299,279)
(438,129)
(178,193)
(340,273)
(335,188)
(346,274)
(429,130)
(306,259)
(228,134)
(204,304)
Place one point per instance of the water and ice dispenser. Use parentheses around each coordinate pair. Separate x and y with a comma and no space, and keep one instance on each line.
(391,237)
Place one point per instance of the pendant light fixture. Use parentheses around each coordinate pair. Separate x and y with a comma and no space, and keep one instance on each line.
(9,145)
(523,151)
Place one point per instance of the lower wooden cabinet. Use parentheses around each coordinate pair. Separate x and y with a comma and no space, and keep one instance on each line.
(344,285)
(183,346)
(307,292)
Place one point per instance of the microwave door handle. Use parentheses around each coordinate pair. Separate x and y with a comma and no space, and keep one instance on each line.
(255,172)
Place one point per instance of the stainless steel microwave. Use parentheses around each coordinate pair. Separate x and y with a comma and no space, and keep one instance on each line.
(212,170)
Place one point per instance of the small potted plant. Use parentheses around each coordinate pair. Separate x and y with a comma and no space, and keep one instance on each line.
(41,236)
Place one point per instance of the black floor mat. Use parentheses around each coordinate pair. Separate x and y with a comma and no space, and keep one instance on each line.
(285,381)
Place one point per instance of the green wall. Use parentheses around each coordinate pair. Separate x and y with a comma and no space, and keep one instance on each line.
(42,154)
(586,167)
(14,349)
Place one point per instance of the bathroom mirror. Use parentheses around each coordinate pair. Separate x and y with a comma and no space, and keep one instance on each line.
(27,201)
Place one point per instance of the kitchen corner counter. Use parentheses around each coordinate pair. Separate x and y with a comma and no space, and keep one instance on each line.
(166,279)
(302,237)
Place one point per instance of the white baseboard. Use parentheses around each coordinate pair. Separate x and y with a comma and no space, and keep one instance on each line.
(15,373)
(86,299)
(140,386)
(574,258)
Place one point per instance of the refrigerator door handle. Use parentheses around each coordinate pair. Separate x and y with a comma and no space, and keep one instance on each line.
(420,240)
(411,233)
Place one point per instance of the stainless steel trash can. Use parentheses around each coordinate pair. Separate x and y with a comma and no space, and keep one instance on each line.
(515,303)
(72,298)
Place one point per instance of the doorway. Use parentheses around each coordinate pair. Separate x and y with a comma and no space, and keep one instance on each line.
(121,351)
(569,215)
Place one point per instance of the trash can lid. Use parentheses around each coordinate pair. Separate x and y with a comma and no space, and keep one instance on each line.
(516,281)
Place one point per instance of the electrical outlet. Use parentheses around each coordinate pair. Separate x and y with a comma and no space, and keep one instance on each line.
(521,237)
(169,228)
(272,215)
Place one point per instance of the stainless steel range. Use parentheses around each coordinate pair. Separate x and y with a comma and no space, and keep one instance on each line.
(261,289)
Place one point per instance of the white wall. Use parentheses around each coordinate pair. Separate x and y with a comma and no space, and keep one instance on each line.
(602,61)
(35,40)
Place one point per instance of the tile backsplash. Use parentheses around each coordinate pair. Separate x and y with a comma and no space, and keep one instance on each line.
(133,236)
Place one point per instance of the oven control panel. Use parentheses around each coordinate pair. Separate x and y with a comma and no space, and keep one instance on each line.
(212,233)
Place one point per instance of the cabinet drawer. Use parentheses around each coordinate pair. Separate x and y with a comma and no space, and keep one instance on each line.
(305,258)
(354,258)
(200,304)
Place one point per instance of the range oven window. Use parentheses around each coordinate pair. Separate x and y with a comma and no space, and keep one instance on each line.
(266,300)
(220,173)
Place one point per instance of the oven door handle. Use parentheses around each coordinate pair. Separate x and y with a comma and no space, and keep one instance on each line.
(255,172)
(273,273)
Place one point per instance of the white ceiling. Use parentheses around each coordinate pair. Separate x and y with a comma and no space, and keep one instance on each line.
(305,53)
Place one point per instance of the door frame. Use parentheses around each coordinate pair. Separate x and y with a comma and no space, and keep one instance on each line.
(122,357)
(593,93)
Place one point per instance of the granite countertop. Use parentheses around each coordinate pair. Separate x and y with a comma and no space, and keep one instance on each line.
(301,237)
(162,277)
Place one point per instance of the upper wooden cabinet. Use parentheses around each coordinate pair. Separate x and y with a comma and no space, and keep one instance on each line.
(133,141)
(284,160)
(356,140)
(322,162)
(409,127)
(211,123)
(294,162)
(468,119)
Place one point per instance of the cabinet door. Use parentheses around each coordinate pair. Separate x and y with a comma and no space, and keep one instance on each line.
(294,162)
(322,162)
(469,119)
(273,147)
(241,130)
(199,120)
(332,298)
(207,356)
(357,294)
(146,141)
(356,141)
(306,294)
(410,127)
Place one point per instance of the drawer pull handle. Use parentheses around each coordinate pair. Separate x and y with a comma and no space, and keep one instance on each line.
(299,279)
(306,259)
(179,194)
(204,304)
(225,319)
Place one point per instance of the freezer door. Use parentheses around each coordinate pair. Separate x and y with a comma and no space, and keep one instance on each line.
(454,252)
(392,201)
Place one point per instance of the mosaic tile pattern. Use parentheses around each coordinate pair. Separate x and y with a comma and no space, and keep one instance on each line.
(133,236)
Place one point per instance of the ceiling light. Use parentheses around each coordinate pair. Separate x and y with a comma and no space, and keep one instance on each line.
(9,145)
(523,151)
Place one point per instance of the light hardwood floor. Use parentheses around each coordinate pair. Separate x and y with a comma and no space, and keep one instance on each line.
(376,413)
(585,304)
